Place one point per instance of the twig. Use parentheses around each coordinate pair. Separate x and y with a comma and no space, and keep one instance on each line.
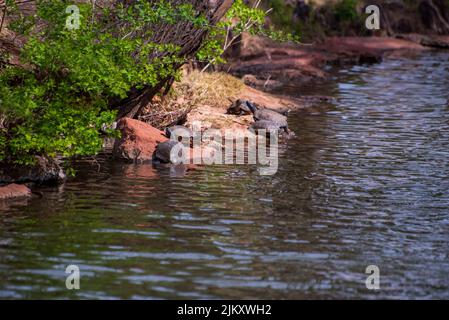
(3,18)
(230,43)
(266,82)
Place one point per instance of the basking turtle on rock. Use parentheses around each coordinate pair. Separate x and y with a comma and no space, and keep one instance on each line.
(265,125)
(239,108)
(268,118)
(163,151)
(179,130)
(267,114)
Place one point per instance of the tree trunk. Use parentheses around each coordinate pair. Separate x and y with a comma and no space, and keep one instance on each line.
(183,34)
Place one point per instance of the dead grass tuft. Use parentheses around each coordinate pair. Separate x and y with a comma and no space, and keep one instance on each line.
(195,90)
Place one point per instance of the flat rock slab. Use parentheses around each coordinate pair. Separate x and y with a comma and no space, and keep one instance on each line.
(265,63)
(369,47)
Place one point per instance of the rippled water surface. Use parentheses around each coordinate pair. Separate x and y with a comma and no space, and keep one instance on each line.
(365,182)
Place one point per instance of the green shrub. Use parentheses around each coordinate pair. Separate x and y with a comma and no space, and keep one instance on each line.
(240,18)
(346,10)
(57,104)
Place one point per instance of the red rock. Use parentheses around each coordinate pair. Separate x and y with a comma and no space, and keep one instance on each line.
(359,48)
(435,41)
(263,62)
(273,63)
(14,191)
(138,140)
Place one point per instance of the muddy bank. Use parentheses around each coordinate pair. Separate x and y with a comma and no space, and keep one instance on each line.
(209,95)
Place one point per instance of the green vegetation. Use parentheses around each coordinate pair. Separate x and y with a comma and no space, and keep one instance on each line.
(282,17)
(58,102)
(239,19)
(328,18)
(346,11)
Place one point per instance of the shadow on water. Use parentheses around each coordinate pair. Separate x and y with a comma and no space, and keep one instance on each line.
(365,182)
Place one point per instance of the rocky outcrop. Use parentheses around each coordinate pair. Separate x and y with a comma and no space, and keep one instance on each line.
(365,49)
(216,118)
(14,191)
(265,63)
(262,61)
(43,171)
(138,140)
(434,41)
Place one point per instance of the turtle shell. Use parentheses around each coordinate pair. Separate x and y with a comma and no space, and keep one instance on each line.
(163,151)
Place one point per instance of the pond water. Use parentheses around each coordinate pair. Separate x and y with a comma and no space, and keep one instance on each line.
(364,183)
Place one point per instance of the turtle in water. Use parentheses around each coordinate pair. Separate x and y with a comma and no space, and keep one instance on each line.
(163,151)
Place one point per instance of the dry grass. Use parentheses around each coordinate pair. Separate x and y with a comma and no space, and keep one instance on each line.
(195,90)
(214,89)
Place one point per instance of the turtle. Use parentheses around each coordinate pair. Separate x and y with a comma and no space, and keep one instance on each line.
(163,151)
(267,114)
(268,126)
(265,118)
(179,130)
(239,107)
(181,134)
(265,124)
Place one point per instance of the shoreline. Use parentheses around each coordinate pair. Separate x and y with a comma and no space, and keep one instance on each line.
(265,65)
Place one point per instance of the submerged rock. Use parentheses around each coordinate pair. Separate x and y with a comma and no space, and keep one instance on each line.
(138,140)
(14,191)
(44,171)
